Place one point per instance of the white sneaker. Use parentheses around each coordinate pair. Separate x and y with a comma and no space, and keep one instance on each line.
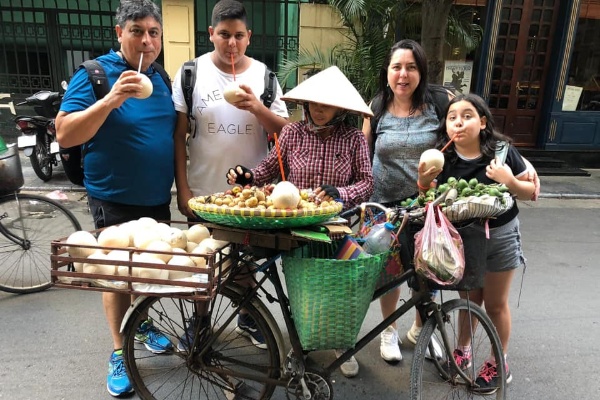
(437,349)
(390,350)
(349,368)
(413,334)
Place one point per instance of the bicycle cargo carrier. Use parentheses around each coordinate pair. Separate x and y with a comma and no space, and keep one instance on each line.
(200,284)
(329,298)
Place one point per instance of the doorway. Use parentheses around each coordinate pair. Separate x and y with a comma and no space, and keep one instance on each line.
(521,61)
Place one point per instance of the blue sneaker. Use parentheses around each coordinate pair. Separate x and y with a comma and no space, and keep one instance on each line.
(117,381)
(247,328)
(187,339)
(152,338)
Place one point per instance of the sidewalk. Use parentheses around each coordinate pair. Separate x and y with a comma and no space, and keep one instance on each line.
(553,187)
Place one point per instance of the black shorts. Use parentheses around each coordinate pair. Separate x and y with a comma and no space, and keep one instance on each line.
(107,213)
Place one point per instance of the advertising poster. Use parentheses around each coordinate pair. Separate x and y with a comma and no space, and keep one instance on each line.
(458,75)
(571,99)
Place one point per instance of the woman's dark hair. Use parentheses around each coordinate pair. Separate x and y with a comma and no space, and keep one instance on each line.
(488,136)
(228,9)
(420,96)
(130,10)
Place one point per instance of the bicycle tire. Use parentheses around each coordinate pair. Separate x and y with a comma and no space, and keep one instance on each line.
(429,380)
(41,162)
(25,267)
(178,374)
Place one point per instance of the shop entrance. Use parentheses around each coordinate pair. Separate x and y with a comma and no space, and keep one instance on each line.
(521,62)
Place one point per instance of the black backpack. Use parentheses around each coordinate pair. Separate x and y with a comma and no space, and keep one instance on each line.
(188,80)
(72,157)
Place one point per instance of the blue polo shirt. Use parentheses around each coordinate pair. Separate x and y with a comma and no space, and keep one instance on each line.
(130,160)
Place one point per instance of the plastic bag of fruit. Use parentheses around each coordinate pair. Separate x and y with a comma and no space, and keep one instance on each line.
(439,251)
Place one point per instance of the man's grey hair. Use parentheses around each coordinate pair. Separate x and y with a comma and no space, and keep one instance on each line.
(133,10)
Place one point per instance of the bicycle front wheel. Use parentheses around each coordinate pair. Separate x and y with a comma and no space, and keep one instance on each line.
(28,224)
(212,360)
(438,378)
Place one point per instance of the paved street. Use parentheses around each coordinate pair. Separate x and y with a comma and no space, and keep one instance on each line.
(56,344)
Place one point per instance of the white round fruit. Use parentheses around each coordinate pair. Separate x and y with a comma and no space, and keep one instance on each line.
(113,236)
(159,245)
(146,87)
(175,237)
(182,261)
(197,233)
(143,272)
(232,92)
(147,222)
(432,158)
(144,236)
(162,228)
(285,195)
(83,238)
(199,260)
(96,268)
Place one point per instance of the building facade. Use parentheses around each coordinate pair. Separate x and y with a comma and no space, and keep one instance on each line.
(537,63)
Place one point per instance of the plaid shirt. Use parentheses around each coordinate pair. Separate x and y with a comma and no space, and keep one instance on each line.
(341,160)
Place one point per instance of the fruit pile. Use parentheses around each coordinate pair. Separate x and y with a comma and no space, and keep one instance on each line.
(263,198)
(143,241)
(460,189)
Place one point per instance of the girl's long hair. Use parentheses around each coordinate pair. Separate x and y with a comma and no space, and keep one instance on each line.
(488,137)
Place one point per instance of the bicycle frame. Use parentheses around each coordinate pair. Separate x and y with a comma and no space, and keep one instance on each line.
(21,241)
(421,299)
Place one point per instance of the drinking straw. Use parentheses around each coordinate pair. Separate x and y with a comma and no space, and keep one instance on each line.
(279,156)
(232,66)
(141,59)
(448,144)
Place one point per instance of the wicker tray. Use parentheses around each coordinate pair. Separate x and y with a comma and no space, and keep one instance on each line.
(485,206)
(252,218)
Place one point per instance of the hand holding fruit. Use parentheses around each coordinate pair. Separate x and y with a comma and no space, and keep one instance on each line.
(327,190)
(240,175)
(499,172)
(245,99)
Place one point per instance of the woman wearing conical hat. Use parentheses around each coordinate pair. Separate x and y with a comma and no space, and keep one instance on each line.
(321,152)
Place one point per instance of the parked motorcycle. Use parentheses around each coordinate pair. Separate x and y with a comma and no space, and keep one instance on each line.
(38,134)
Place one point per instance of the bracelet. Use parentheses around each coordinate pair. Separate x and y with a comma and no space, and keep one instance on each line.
(423,188)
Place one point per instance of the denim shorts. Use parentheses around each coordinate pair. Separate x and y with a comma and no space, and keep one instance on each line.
(501,252)
(107,213)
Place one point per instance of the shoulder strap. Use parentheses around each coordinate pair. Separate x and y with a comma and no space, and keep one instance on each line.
(440,100)
(269,94)
(188,81)
(502,150)
(163,74)
(375,104)
(97,78)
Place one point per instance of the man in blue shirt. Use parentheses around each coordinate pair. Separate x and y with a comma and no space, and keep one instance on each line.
(129,153)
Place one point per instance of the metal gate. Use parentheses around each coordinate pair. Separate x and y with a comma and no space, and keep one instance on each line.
(274,25)
(43,41)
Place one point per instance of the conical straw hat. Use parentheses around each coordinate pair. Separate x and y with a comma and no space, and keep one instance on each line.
(330,87)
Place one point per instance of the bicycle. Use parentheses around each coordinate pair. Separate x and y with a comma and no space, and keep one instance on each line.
(213,361)
(28,223)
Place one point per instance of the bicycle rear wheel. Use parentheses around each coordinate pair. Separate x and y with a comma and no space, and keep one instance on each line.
(230,367)
(41,161)
(437,379)
(28,224)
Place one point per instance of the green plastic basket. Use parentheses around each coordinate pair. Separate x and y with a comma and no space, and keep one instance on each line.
(329,298)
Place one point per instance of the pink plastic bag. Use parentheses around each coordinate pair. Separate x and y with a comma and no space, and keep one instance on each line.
(439,251)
